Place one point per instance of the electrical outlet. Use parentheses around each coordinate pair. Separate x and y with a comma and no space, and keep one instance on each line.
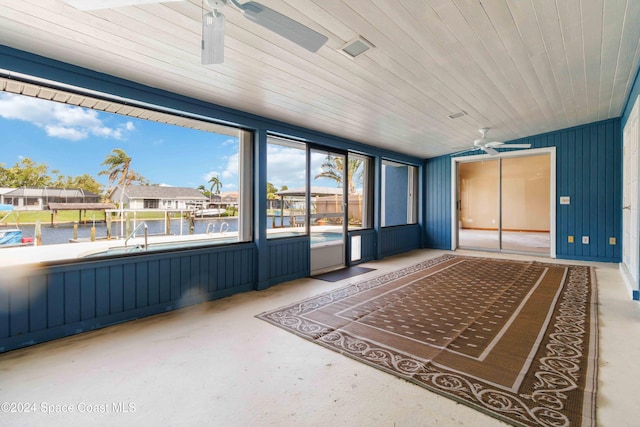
(570,239)
(585,240)
(612,240)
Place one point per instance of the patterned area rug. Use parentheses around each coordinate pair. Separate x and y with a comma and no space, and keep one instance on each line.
(516,340)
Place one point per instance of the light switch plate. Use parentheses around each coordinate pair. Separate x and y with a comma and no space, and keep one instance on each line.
(585,240)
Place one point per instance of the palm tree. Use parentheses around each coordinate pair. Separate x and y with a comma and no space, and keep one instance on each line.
(120,175)
(333,168)
(215,183)
(118,170)
(201,188)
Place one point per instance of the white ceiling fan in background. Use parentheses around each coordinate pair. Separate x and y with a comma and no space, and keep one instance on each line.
(212,46)
(488,145)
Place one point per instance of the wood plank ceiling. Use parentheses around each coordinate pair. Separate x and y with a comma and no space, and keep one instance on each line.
(520,67)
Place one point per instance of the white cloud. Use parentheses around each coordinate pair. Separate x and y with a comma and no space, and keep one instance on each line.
(206,177)
(230,141)
(65,133)
(232,167)
(59,120)
(285,166)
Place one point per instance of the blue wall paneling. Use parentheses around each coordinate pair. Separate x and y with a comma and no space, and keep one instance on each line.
(396,183)
(288,258)
(399,239)
(47,302)
(588,169)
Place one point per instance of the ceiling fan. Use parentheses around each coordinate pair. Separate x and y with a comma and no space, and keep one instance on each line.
(488,145)
(212,46)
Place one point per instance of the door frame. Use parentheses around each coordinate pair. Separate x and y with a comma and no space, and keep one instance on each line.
(630,261)
(311,147)
(551,151)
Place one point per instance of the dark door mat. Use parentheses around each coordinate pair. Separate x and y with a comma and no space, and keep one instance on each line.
(334,276)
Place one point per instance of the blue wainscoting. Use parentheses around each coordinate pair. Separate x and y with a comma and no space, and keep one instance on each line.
(288,259)
(437,209)
(399,239)
(41,303)
(367,245)
(588,170)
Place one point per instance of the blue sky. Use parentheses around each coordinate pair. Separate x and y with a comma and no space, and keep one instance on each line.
(76,141)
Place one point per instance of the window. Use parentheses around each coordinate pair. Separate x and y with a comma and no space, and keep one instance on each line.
(186,178)
(360,179)
(399,194)
(150,203)
(286,188)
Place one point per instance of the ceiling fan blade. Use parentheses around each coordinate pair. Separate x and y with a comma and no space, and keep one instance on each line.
(283,25)
(212,47)
(490,151)
(517,146)
(109,4)
(465,151)
(494,144)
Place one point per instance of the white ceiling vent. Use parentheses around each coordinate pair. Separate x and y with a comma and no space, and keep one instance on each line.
(356,47)
(457,115)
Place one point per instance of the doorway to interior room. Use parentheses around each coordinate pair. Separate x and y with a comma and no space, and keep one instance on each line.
(505,203)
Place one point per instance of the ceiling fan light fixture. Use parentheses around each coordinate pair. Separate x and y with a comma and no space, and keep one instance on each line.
(282,25)
(356,47)
(212,46)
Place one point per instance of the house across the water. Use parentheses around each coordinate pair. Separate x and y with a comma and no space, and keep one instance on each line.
(159,197)
(38,199)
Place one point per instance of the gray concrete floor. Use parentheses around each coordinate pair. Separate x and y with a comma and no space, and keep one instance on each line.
(523,241)
(216,364)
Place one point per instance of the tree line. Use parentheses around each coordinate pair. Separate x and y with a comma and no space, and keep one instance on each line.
(28,173)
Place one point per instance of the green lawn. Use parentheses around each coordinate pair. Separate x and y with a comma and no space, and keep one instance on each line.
(30,217)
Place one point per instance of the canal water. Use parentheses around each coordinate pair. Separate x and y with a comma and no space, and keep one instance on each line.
(63,233)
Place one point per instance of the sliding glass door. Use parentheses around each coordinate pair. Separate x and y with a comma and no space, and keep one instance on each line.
(525,204)
(503,204)
(478,205)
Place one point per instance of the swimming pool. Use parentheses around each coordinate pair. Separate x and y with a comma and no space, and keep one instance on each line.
(317,238)
(154,247)
(325,237)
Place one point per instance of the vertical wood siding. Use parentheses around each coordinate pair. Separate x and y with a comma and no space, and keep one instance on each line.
(589,170)
(437,209)
(288,259)
(43,303)
(402,238)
